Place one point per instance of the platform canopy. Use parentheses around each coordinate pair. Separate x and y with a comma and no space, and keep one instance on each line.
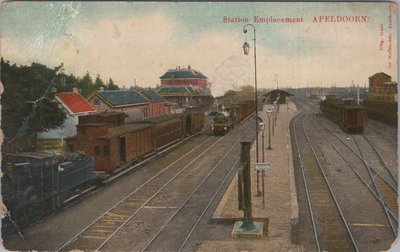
(272,95)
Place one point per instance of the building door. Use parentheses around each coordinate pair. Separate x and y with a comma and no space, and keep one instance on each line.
(122,149)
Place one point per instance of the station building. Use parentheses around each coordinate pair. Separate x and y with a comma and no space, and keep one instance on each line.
(382,87)
(184,77)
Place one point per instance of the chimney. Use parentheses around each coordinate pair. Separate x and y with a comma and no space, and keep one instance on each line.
(101,89)
(75,90)
(189,67)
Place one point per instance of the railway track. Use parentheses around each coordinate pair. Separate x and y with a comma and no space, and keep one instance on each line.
(158,197)
(366,161)
(376,128)
(330,228)
(373,218)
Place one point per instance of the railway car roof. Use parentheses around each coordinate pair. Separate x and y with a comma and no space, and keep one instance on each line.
(126,128)
(162,118)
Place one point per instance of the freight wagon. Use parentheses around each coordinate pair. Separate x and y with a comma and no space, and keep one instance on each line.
(35,184)
(113,146)
(350,117)
(166,129)
(194,122)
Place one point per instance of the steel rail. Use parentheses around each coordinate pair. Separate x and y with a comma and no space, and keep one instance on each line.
(380,200)
(372,124)
(305,184)
(330,189)
(193,192)
(208,206)
(134,191)
(155,194)
(381,158)
(374,193)
(378,191)
(358,155)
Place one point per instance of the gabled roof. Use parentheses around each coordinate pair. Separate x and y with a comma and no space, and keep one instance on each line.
(380,74)
(187,73)
(152,95)
(74,103)
(121,97)
(171,90)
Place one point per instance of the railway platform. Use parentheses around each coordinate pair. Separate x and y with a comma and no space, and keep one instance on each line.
(280,211)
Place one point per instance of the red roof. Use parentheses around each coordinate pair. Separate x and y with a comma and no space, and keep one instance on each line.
(75,103)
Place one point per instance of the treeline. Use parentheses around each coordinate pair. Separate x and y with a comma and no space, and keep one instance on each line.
(28,103)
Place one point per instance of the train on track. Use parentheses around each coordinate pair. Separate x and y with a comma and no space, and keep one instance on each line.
(350,117)
(113,144)
(224,121)
(37,184)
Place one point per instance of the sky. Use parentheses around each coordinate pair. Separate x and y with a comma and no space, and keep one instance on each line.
(330,44)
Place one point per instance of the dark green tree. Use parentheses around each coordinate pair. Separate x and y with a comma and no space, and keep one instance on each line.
(27,100)
(85,85)
(111,85)
(98,83)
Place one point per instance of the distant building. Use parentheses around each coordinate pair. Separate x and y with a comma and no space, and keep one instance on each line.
(157,103)
(131,102)
(185,97)
(74,105)
(382,87)
(183,77)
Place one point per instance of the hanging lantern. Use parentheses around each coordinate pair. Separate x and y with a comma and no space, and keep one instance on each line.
(246,48)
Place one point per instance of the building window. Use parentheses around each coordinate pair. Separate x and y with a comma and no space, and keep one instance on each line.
(106,150)
(97,150)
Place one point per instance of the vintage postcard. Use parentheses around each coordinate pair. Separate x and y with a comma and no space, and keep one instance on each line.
(199,126)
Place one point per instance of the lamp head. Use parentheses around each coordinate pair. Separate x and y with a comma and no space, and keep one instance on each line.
(246,48)
(269,113)
(262,126)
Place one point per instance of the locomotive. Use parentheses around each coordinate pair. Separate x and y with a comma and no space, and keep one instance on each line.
(224,121)
(350,117)
(36,184)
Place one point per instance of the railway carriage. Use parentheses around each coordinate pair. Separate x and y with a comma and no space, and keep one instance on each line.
(167,129)
(350,117)
(113,143)
(194,122)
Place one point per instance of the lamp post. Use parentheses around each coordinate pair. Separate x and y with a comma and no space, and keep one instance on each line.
(246,48)
(262,128)
(269,113)
(273,119)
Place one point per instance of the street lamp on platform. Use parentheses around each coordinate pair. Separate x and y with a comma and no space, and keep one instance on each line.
(246,49)
(270,114)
